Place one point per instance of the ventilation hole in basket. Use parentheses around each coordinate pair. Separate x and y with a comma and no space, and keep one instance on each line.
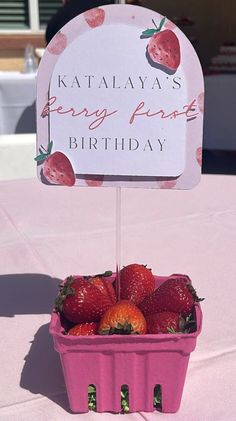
(92,404)
(124,398)
(157,397)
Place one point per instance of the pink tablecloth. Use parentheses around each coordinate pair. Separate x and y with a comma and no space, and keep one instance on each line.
(48,233)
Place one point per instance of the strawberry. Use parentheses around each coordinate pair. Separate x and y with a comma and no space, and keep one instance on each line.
(199,155)
(80,300)
(94,180)
(136,282)
(57,168)
(104,285)
(57,44)
(163,48)
(165,322)
(83,329)
(176,294)
(123,318)
(94,17)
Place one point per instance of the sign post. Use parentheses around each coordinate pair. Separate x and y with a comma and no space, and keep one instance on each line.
(118,240)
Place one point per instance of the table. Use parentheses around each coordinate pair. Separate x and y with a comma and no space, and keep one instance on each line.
(17,102)
(17,154)
(220,106)
(48,233)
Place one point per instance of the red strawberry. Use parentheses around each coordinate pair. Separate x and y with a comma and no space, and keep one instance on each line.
(80,300)
(199,155)
(168,184)
(104,285)
(123,318)
(57,168)
(94,17)
(57,44)
(136,282)
(200,101)
(165,322)
(175,294)
(83,329)
(163,47)
(94,180)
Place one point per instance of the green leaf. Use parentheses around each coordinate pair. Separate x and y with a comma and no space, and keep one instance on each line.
(161,23)
(149,32)
(128,327)
(105,274)
(40,157)
(124,398)
(171,330)
(91,389)
(105,332)
(157,401)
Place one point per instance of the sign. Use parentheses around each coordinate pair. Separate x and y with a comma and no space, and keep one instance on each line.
(120,102)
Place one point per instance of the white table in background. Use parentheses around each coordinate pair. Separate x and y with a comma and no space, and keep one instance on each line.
(17,102)
(17,152)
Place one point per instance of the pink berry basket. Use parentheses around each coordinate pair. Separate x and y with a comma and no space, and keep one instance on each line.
(141,362)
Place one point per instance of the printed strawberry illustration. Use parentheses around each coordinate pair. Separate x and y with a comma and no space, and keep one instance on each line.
(57,168)
(168,184)
(83,329)
(94,17)
(136,282)
(94,180)
(176,294)
(200,101)
(165,322)
(123,318)
(83,299)
(199,155)
(163,48)
(57,44)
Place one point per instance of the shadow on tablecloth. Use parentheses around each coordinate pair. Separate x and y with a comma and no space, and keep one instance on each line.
(42,372)
(26,294)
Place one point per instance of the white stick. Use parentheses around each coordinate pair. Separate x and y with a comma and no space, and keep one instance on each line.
(118,240)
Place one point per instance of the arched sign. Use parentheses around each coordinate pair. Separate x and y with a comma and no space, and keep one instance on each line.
(120,102)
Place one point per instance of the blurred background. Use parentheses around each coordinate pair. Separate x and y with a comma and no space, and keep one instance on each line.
(210,26)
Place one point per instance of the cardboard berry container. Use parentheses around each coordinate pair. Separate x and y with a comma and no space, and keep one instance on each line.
(140,362)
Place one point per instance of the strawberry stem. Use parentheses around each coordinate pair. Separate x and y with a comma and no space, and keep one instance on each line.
(150,32)
(154,23)
(194,294)
(65,290)
(45,150)
(43,155)
(119,329)
(106,274)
